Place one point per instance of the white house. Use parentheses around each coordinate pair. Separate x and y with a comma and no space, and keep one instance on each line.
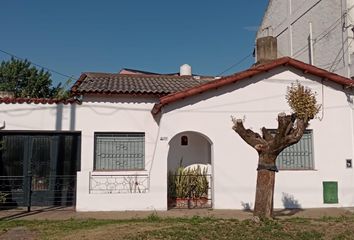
(318,32)
(134,128)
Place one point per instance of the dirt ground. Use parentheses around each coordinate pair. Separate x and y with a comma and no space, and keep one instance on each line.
(54,213)
(19,233)
(122,231)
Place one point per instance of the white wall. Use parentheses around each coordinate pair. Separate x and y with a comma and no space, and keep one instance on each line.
(288,20)
(119,115)
(197,151)
(38,117)
(258,100)
(111,114)
(234,162)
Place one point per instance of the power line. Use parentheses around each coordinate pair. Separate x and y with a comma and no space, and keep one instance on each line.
(235,64)
(38,65)
(319,37)
(335,62)
(325,32)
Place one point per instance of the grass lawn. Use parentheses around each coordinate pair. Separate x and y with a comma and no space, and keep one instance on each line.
(154,227)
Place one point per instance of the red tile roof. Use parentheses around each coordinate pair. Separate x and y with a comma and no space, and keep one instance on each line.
(114,83)
(285,61)
(8,100)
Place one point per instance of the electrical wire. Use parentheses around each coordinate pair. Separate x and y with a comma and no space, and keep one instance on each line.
(336,62)
(319,37)
(38,65)
(235,64)
(325,32)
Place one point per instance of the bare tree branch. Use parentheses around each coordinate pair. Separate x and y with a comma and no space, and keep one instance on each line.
(267,135)
(251,138)
(297,133)
(284,123)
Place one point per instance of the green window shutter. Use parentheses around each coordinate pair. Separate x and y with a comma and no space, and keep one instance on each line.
(330,192)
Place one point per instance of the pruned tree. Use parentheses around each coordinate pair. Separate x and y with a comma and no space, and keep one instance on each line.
(269,144)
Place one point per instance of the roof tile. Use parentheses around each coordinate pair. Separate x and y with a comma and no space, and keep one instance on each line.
(106,83)
(8,100)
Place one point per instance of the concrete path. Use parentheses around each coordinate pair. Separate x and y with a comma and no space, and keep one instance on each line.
(55,213)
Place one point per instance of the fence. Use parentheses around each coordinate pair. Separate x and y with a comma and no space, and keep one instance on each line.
(19,191)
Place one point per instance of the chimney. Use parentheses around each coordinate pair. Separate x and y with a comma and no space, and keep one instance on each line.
(185,70)
(266,49)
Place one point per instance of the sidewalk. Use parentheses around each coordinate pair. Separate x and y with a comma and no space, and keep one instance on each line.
(58,213)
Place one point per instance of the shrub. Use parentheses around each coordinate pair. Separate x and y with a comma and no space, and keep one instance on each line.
(2,197)
(188,182)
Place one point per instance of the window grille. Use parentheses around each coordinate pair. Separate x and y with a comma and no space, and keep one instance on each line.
(119,151)
(298,156)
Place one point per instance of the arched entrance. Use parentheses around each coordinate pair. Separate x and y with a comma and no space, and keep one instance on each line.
(189,171)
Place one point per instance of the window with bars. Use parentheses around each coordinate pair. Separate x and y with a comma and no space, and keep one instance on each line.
(119,151)
(298,156)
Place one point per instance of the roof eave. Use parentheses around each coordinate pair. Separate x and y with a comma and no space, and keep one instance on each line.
(285,61)
(74,88)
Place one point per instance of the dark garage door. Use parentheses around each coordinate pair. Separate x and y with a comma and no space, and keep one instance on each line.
(39,169)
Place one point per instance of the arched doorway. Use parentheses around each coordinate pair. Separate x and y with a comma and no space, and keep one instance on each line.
(190,171)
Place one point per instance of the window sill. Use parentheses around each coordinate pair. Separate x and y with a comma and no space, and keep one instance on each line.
(297,170)
(119,173)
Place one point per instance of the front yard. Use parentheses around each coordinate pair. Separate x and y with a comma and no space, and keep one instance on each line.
(154,227)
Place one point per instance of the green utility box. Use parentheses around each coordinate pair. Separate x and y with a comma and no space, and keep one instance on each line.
(330,192)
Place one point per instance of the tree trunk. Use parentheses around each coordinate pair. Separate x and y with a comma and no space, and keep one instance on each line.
(265,188)
(290,130)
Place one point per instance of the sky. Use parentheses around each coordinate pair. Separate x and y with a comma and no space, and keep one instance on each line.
(71,37)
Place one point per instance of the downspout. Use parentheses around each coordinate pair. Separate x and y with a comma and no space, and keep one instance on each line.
(156,141)
(311,42)
(351,105)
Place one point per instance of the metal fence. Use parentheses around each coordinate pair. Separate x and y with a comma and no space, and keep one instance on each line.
(12,191)
(19,191)
(116,184)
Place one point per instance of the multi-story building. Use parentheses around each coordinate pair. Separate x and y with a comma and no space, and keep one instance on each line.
(318,32)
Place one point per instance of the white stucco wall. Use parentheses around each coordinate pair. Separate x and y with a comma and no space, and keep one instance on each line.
(119,115)
(288,21)
(109,114)
(234,163)
(38,117)
(197,151)
(257,100)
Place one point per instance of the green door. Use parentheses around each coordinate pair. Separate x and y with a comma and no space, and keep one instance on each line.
(330,192)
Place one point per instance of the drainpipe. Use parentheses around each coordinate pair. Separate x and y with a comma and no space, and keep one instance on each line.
(351,98)
(311,42)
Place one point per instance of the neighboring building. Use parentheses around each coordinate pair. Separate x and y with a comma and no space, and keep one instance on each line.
(318,32)
(132,129)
